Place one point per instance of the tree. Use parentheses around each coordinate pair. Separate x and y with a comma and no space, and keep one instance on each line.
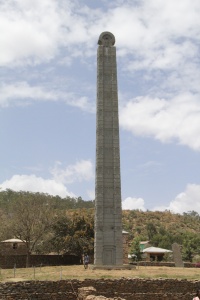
(74,233)
(190,246)
(135,248)
(31,217)
(3,226)
(192,214)
(162,238)
(151,230)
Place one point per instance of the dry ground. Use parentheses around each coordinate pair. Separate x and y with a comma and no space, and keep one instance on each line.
(78,272)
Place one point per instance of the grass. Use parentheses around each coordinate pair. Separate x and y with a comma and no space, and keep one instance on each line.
(78,272)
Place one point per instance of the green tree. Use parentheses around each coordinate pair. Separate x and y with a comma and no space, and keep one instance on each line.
(162,239)
(151,230)
(187,250)
(58,203)
(192,214)
(74,233)
(135,248)
(31,218)
(4,231)
(190,246)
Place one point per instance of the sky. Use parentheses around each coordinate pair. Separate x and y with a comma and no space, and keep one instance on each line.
(48,98)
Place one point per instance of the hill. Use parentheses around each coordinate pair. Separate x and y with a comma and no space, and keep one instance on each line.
(162,229)
(139,223)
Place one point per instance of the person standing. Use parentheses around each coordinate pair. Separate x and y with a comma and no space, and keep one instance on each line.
(86,261)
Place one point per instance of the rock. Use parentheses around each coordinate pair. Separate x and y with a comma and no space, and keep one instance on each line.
(89,293)
(85,291)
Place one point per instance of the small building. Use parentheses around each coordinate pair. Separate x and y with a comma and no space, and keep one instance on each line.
(143,245)
(155,253)
(13,247)
(13,253)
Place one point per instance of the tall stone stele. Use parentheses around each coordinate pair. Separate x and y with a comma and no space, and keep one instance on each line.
(108,249)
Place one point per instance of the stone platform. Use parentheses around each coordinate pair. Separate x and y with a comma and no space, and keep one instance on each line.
(112,267)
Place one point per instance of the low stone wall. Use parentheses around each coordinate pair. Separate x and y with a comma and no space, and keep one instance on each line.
(162,264)
(126,288)
(9,261)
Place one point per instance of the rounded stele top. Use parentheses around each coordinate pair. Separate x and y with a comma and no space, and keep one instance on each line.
(106,39)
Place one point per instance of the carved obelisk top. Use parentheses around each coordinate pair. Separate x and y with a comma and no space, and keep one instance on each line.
(108,214)
(106,39)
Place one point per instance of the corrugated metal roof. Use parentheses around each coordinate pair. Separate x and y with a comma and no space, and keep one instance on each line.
(12,241)
(156,250)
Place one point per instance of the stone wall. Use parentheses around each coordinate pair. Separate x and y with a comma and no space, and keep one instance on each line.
(162,264)
(9,261)
(127,288)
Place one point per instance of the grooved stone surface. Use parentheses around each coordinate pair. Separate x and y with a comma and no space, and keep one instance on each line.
(108,212)
(177,255)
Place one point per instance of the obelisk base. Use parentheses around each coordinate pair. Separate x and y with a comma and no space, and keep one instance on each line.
(112,267)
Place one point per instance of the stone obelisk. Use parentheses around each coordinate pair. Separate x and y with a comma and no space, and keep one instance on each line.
(108,248)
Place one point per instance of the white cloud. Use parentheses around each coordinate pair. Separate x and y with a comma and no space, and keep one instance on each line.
(22,93)
(150,35)
(30,30)
(82,170)
(133,203)
(177,119)
(35,184)
(186,201)
(82,102)
(152,31)
(157,40)
(33,31)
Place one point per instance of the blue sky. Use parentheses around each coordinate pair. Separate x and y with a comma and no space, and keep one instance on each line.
(48,98)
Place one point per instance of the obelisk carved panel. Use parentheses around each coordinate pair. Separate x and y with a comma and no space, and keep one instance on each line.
(108,212)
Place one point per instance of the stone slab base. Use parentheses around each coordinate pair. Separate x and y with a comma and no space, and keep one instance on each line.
(112,267)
